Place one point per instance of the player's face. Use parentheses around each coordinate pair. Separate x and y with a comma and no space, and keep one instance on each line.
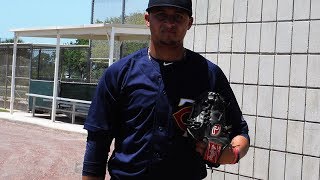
(168,25)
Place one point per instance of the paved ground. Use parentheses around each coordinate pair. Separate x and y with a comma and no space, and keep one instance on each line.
(34,152)
(30,151)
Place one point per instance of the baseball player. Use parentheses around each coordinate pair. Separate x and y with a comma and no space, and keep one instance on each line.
(143,103)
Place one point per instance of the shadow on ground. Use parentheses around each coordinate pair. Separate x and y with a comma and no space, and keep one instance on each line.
(62,118)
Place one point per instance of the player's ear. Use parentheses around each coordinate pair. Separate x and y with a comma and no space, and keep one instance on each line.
(147,19)
(190,22)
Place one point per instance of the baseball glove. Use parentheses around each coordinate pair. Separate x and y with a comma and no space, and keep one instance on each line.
(207,123)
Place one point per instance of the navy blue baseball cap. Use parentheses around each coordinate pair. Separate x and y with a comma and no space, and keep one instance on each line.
(183,4)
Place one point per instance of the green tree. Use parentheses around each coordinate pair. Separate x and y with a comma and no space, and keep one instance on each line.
(101,48)
(11,41)
(75,60)
(43,66)
(135,18)
(132,46)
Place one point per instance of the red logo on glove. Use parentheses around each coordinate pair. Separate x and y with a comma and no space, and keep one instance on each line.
(212,153)
(216,129)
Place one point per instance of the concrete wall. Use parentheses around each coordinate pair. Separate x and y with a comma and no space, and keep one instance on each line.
(270,52)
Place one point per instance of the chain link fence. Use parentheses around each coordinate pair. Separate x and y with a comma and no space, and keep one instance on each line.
(36,62)
(78,64)
(24,52)
(118,12)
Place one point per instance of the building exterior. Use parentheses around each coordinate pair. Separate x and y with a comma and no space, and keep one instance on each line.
(270,52)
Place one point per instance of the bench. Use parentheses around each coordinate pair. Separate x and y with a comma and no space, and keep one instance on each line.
(64,105)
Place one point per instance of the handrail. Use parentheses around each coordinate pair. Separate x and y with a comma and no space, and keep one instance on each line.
(59,98)
(73,103)
(39,95)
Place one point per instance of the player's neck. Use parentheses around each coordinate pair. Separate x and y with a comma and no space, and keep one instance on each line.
(167,53)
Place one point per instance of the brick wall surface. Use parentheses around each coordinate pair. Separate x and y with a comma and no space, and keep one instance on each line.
(270,52)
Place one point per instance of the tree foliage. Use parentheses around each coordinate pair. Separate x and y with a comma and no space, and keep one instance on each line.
(75,61)
(135,18)
(11,40)
(101,48)
(43,64)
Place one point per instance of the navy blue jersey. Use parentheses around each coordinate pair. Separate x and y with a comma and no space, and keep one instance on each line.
(142,103)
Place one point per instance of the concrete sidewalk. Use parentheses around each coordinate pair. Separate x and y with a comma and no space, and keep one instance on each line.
(19,116)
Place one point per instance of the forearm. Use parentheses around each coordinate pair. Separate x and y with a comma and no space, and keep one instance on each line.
(95,160)
(96,155)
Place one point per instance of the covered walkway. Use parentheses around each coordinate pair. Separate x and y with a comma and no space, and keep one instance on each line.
(111,32)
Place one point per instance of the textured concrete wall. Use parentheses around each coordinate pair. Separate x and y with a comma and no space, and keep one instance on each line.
(270,52)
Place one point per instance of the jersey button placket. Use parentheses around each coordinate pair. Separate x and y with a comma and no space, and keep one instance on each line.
(156,155)
(159,78)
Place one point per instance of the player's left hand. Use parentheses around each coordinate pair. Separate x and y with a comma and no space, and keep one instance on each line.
(227,156)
